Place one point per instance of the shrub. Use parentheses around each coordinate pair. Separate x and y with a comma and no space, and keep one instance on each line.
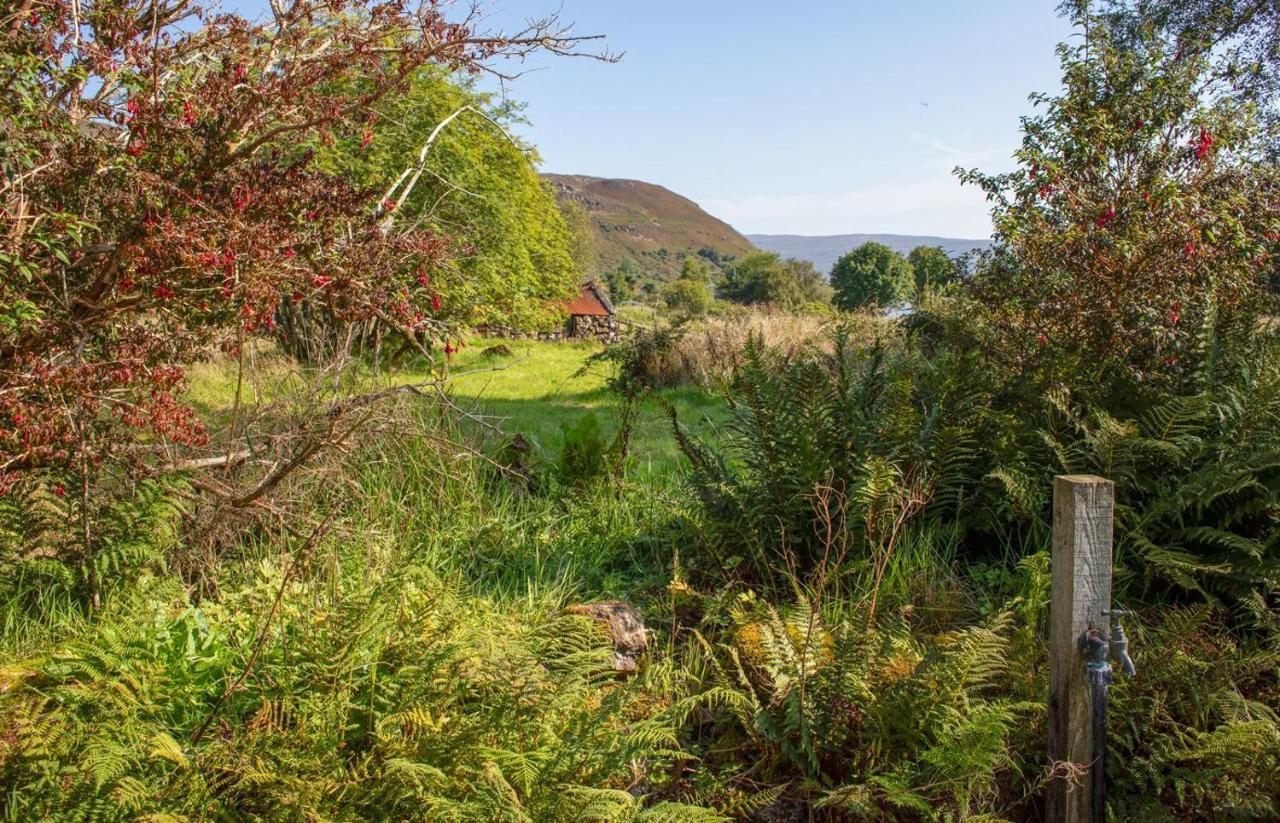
(583,457)
(887,431)
(766,278)
(1141,213)
(871,275)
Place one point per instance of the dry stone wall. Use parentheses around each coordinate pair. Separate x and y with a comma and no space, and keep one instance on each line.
(579,327)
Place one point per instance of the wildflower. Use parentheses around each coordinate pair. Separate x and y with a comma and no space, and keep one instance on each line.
(1105,219)
(289,253)
(1175,312)
(163,292)
(127,284)
(448,349)
(1189,250)
(436,302)
(366,139)
(188,113)
(209,258)
(59,490)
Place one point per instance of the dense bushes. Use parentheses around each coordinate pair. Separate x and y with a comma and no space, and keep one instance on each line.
(895,431)
(360,677)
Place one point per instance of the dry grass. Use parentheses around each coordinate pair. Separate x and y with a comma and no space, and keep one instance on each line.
(711,350)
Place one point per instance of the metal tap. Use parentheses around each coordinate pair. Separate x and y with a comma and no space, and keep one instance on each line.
(1120,643)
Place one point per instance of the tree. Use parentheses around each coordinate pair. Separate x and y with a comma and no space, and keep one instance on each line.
(932,268)
(764,277)
(871,275)
(622,281)
(1141,218)
(582,239)
(164,194)
(1242,38)
(514,255)
(690,293)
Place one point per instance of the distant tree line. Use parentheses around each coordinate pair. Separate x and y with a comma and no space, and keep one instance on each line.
(870,276)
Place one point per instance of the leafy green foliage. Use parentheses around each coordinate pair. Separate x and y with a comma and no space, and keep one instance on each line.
(932,267)
(882,430)
(871,275)
(690,293)
(1198,481)
(764,277)
(480,189)
(1140,214)
(583,456)
(864,723)
(382,690)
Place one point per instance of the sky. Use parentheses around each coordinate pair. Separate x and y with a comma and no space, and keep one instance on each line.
(791,116)
(804,117)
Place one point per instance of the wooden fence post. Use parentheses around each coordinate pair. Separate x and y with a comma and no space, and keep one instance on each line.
(1083,507)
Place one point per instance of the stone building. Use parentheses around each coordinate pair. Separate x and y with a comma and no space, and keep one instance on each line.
(591,314)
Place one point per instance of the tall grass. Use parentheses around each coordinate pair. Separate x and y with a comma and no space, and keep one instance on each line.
(710,351)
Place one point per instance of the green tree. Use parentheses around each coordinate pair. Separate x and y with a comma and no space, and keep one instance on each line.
(932,267)
(688,296)
(690,293)
(1142,216)
(622,281)
(764,277)
(1242,37)
(582,238)
(871,275)
(481,191)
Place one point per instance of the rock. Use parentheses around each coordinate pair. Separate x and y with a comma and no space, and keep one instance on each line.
(625,627)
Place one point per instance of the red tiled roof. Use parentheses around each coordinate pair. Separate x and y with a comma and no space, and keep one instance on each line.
(590,301)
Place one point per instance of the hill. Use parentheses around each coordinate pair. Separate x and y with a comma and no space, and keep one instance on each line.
(823,252)
(651,226)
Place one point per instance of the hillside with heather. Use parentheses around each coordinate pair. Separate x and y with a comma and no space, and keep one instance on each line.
(651,226)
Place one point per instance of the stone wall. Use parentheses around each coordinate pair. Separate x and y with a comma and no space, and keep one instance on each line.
(578,327)
(584,326)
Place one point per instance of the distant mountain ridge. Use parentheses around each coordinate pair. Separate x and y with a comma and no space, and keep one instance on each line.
(824,251)
(652,226)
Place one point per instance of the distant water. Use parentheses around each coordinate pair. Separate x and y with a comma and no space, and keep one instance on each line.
(823,252)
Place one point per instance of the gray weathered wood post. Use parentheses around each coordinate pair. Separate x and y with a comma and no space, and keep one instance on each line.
(1083,507)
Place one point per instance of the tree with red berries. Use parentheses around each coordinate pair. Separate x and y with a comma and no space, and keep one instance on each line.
(1144,212)
(162,196)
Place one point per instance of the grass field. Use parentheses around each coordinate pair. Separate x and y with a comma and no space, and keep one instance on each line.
(535,391)
(540,388)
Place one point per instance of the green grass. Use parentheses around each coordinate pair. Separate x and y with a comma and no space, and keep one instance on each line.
(533,392)
(539,389)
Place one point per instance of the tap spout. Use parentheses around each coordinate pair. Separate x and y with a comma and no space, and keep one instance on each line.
(1120,650)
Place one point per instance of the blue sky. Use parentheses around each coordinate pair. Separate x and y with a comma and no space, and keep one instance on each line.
(803,117)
